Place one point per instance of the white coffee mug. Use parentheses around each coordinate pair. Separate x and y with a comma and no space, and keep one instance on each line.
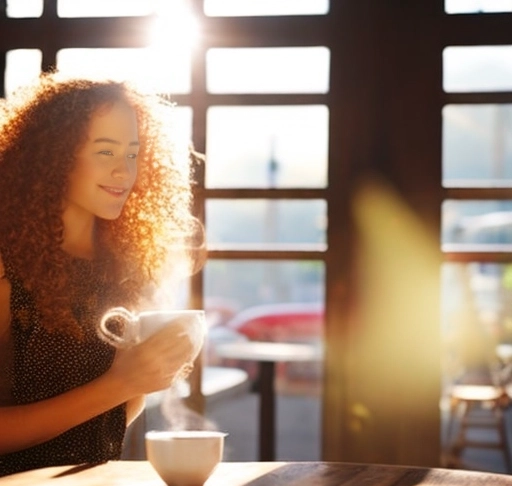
(184,458)
(135,328)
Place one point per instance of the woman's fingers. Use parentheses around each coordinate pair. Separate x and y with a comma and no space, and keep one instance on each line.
(155,363)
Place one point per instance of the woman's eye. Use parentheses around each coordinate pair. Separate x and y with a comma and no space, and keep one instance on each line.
(132,156)
(106,152)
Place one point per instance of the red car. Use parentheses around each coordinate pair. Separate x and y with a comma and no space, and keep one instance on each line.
(283,322)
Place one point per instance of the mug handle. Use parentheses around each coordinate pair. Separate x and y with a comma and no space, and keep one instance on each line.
(115,339)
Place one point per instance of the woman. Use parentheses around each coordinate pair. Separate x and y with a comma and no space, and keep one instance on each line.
(92,204)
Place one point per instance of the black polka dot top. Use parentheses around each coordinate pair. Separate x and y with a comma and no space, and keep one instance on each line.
(45,364)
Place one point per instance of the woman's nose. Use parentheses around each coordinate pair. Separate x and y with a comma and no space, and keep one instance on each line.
(122,168)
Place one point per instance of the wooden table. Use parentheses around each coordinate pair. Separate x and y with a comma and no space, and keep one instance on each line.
(140,473)
(267,354)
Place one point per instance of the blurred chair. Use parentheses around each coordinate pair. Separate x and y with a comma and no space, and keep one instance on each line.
(478,405)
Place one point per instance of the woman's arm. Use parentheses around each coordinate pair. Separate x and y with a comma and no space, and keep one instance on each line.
(145,368)
(24,426)
(134,407)
(142,369)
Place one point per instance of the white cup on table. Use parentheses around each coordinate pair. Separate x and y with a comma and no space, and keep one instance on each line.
(184,458)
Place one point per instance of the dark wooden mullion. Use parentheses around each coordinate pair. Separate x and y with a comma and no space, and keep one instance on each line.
(483,257)
(476,29)
(134,31)
(487,193)
(279,31)
(262,99)
(265,255)
(478,98)
(248,193)
(75,32)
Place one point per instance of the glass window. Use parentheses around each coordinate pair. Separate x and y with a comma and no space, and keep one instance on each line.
(143,66)
(477,69)
(286,297)
(476,314)
(267,146)
(104,8)
(262,300)
(256,282)
(24,8)
(477,145)
(473,225)
(268,70)
(265,221)
(477,6)
(265,7)
(22,67)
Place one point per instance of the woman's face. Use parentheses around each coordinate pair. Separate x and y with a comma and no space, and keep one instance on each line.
(106,165)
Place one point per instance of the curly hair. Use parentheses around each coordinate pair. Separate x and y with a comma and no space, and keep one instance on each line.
(41,128)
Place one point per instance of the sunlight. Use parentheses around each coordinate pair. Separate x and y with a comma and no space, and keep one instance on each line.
(163,65)
(28,8)
(173,37)
(175,25)
(268,70)
(104,8)
(265,7)
(481,6)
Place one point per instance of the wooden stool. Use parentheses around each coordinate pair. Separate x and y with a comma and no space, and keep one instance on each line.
(465,401)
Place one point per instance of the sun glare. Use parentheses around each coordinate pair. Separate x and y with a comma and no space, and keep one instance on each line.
(173,36)
(175,25)
(163,64)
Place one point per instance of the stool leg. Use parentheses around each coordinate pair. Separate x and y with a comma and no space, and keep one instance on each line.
(451,420)
(460,441)
(458,410)
(504,439)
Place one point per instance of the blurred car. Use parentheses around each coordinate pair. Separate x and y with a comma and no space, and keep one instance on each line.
(281,322)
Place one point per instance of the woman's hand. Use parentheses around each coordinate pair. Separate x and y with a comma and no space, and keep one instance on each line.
(154,364)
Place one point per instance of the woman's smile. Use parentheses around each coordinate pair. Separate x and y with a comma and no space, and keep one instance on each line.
(115,191)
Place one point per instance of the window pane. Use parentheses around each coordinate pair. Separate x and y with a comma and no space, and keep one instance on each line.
(265,7)
(476,314)
(24,8)
(477,68)
(22,67)
(231,287)
(104,8)
(477,146)
(268,301)
(477,6)
(258,221)
(267,146)
(476,225)
(143,66)
(476,321)
(249,283)
(268,70)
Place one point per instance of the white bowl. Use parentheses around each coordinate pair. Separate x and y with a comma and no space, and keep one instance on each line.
(184,458)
